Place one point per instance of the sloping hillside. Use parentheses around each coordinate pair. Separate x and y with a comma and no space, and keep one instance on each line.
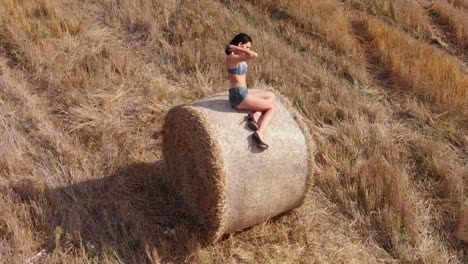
(85,86)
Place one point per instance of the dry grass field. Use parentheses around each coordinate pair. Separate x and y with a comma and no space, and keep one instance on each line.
(85,86)
(455,18)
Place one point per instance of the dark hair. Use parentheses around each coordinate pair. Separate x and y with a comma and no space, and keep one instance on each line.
(239,38)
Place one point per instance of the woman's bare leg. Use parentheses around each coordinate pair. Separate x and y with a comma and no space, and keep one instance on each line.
(269,96)
(265,106)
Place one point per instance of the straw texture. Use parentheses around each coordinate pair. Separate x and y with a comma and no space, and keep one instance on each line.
(228,183)
(462,232)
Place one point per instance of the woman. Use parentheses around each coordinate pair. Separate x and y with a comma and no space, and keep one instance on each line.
(239,51)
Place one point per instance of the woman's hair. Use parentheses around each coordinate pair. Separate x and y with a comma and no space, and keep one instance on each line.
(239,38)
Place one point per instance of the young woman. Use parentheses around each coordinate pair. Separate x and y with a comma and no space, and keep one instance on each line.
(239,51)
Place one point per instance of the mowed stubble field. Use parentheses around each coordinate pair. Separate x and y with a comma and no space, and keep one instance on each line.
(85,86)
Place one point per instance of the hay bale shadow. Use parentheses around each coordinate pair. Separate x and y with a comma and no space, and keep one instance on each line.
(134,214)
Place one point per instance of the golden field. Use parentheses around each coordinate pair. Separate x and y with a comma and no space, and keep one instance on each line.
(85,86)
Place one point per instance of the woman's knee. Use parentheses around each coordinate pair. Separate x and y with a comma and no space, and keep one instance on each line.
(270,96)
(273,107)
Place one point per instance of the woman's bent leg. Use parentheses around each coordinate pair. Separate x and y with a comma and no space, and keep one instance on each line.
(268,108)
(269,96)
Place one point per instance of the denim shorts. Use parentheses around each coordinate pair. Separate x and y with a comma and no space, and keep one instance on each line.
(237,95)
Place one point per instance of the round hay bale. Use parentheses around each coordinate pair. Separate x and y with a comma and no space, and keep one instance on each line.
(226,181)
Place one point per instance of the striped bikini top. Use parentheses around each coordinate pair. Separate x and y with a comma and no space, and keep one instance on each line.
(240,70)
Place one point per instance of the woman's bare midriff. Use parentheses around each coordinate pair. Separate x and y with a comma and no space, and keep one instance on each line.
(237,80)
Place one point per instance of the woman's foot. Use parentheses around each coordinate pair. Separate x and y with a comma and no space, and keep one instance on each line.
(251,122)
(260,143)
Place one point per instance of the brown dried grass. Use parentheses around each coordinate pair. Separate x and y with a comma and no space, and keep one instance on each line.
(48,24)
(462,229)
(310,15)
(459,3)
(420,67)
(407,14)
(456,19)
(80,170)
